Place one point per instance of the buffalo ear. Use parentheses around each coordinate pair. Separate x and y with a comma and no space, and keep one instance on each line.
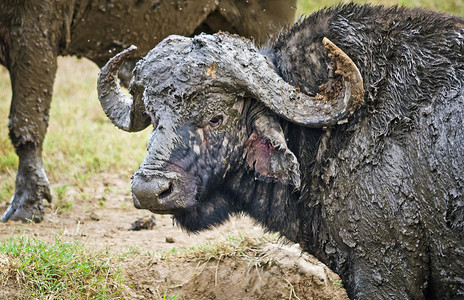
(266,151)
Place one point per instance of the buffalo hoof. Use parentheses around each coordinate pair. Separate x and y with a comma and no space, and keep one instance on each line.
(26,210)
(25,214)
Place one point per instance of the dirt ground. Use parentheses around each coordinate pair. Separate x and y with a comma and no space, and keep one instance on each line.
(279,270)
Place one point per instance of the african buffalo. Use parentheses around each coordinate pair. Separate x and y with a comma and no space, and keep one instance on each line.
(34,33)
(345,134)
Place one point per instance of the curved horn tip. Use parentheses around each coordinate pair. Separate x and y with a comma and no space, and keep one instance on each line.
(345,66)
(111,68)
(126,51)
(349,71)
(115,62)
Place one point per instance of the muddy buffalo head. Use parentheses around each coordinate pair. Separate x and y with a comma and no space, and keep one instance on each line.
(215,104)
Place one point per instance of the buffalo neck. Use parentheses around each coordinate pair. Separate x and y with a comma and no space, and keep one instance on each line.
(274,205)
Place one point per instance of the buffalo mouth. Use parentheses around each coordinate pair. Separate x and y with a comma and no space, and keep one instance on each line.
(163,211)
(154,207)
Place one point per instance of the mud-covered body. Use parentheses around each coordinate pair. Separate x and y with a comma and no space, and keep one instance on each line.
(386,189)
(377,195)
(34,33)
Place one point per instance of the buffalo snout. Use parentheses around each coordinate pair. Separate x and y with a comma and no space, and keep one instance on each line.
(157,194)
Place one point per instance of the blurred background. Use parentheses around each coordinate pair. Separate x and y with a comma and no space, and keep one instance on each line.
(455,7)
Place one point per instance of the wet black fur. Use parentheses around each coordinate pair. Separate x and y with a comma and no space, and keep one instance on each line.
(402,148)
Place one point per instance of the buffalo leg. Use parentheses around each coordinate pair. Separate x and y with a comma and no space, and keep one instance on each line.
(32,70)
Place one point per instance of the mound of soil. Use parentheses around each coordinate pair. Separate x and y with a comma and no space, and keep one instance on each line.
(277,270)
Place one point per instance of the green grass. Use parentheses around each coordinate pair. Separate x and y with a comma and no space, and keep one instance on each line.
(59,270)
(62,203)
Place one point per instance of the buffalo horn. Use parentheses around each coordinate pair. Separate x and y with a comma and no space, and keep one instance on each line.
(336,100)
(123,112)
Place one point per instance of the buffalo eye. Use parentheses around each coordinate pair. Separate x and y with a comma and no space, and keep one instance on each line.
(216,121)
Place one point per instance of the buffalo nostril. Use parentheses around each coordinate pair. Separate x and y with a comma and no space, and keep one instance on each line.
(166,192)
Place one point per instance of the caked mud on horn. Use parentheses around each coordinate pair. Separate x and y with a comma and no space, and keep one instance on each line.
(334,102)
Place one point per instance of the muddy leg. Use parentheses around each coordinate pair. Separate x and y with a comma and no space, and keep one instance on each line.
(32,187)
(32,70)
